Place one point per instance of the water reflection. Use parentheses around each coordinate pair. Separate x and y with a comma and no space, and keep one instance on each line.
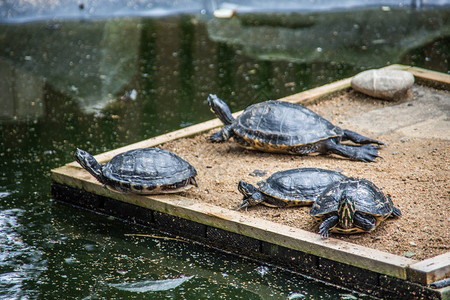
(166,63)
(374,37)
(19,262)
(87,62)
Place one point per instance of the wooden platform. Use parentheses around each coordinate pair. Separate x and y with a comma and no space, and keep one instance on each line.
(366,270)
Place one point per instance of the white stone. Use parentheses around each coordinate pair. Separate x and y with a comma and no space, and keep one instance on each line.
(384,84)
(224,13)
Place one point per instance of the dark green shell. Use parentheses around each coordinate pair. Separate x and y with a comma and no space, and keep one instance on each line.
(301,185)
(368,198)
(282,124)
(147,170)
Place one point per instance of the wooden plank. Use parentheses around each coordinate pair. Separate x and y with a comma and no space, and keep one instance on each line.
(430,77)
(430,270)
(237,222)
(315,94)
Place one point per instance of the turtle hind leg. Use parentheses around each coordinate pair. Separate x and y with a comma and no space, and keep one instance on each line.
(396,212)
(359,139)
(192,181)
(222,135)
(366,153)
(327,224)
(366,223)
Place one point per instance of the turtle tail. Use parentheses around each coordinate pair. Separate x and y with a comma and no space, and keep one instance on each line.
(89,163)
(220,109)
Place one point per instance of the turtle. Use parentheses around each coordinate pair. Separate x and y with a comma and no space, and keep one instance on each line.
(352,206)
(141,171)
(277,126)
(295,187)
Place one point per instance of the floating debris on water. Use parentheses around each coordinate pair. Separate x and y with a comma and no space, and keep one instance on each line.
(296,296)
(151,285)
(262,270)
(4,194)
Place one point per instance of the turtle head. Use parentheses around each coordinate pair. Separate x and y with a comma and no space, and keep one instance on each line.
(346,211)
(220,109)
(89,163)
(251,195)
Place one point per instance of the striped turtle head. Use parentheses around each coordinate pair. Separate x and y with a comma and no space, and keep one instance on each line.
(88,162)
(251,195)
(220,109)
(346,211)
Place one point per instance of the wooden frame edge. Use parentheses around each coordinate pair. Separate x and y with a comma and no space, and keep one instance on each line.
(236,222)
(430,270)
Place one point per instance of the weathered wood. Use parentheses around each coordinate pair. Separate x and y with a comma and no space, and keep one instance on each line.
(429,77)
(310,96)
(430,270)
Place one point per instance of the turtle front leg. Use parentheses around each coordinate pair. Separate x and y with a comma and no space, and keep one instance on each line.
(327,224)
(359,139)
(366,223)
(221,136)
(366,153)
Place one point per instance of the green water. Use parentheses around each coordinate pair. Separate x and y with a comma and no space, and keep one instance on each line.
(99,85)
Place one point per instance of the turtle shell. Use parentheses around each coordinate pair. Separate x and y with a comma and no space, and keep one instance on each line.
(283,124)
(147,171)
(369,199)
(300,186)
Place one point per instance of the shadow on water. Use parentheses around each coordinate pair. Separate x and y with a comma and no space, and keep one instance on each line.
(103,84)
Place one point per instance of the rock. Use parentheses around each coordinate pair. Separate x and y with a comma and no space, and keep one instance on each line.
(258,173)
(224,13)
(409,254)
(384,84)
